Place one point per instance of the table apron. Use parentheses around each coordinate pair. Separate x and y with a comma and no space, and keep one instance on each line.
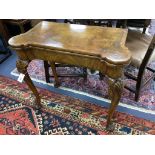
(91,62)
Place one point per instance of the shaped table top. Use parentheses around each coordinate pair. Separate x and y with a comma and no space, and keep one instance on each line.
(105,43)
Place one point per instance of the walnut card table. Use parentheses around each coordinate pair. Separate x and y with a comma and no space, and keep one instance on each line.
(97,48)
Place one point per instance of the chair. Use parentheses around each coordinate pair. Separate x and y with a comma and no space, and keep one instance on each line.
(55,75)
(138,23)
(93,22)
(143,53)
(5,52)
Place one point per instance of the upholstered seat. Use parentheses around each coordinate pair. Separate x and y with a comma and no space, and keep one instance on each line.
(138,44)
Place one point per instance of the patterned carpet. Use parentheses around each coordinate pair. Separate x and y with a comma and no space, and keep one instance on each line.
(61,115)
(94,86)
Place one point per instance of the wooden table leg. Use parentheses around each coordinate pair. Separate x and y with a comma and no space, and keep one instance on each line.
(22,68)
(56,82)
(115,91)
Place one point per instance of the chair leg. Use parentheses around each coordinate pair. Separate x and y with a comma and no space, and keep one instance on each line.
(56,82)
(109,23)
(47,75)
(101,76)
(138,88)
(85,73)
(144,29)
(137,95)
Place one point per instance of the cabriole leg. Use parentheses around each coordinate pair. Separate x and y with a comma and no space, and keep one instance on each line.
(22,68)
(115,91)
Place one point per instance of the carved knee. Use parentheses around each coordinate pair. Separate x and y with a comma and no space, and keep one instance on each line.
(22,66)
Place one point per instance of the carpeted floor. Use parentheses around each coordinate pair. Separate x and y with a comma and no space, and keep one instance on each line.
(94,86)
(61,114)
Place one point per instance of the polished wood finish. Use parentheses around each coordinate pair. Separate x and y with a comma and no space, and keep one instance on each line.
(140,64)
(97,48)
(46,66)
(91,22)
(104,43)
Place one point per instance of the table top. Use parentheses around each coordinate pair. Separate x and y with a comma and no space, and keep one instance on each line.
(105,43)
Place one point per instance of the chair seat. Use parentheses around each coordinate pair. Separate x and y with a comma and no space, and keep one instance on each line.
(138,44)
